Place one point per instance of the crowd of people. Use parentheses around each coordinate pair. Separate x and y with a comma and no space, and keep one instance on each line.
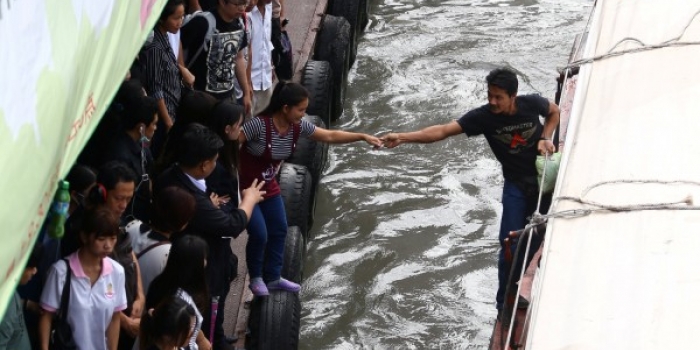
(183,162)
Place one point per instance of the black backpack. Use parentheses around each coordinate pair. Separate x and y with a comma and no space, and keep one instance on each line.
(282,56)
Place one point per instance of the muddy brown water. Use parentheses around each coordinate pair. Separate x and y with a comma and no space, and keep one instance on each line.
(404,254)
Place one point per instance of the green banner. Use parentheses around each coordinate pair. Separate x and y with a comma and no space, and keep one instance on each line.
(61,61)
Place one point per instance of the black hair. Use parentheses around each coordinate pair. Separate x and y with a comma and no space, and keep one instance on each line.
(170,8)
(133,106)
(285,94)
(503,78)
(100,222)
(223,115)
(81,177)
(35,255)
(219,3)
(172,318)
(173,207)
(193,108)
(183,270)
(114,172)
(198,144)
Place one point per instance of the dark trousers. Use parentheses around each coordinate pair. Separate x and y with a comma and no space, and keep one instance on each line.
(517,207)
(267,232)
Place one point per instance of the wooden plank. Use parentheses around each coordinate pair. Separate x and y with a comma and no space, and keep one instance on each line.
(304,23)
(235,314)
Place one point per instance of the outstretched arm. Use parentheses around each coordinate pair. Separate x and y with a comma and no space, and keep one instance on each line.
(427,135)
(339,136)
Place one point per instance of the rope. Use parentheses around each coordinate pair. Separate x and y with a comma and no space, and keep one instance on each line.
(517,291)
(544,174)
(537,218)
(680,204)
(673,42)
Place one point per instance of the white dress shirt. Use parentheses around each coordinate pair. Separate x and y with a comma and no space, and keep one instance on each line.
(261,42)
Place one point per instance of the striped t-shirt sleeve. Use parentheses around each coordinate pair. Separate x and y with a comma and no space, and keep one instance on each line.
(253,129)
(307,128)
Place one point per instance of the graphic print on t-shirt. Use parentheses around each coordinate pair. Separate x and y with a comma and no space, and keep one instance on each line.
(221,61)
(271,171)
(517,137)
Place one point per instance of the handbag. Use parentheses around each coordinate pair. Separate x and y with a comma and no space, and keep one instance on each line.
(61,334)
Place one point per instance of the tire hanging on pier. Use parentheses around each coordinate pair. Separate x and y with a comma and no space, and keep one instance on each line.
(294,246)
(333,45)
(295,184)
(364,15)
(318,79)
(313,155)
(350,10)
(310,153)
(274,322)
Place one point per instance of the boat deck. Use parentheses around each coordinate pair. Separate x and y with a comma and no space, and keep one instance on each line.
(304,22)
(500,329)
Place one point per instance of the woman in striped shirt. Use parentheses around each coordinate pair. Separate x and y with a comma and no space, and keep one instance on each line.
(267,140)
(161,72)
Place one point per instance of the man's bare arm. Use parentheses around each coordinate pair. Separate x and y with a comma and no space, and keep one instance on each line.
(428,135)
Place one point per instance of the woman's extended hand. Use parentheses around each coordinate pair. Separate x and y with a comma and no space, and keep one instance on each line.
(374,141)
(391,140)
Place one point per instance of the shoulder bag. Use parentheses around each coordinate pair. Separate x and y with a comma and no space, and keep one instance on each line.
(61,333)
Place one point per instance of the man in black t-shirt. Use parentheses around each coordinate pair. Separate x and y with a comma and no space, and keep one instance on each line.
(220,63)
(511,125)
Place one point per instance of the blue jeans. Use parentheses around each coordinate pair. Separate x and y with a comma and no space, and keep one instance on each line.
(517,207)
(267,232)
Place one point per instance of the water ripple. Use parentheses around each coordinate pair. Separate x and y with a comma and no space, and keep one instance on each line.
(404,255)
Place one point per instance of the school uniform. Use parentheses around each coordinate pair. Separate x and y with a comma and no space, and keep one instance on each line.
(90,307)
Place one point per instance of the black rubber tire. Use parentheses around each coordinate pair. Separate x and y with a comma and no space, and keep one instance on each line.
(318,80)
(350,10)
(364,15)
(274,322)
(294,246)
(310,153)
(295,184)
(333,45)
(313,155)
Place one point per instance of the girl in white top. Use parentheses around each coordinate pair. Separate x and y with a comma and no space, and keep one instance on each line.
(97,293)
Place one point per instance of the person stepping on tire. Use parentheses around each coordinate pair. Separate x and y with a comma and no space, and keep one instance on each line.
(267,140)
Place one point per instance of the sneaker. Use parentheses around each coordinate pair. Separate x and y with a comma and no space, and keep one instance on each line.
(258,287)
(283,284)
